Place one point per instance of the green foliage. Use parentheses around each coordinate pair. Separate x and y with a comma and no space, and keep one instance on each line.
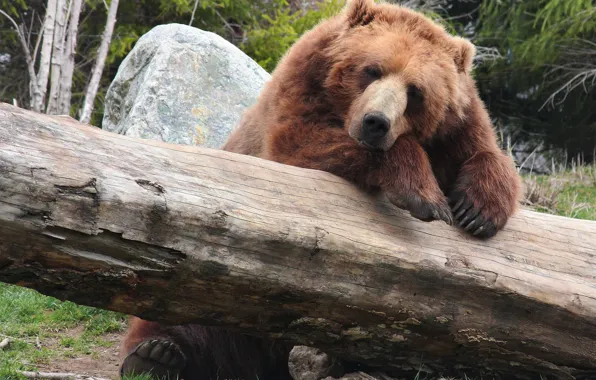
(13,7)
(268,42)
(545,43)
(537,31)
(128,35)
(267,28)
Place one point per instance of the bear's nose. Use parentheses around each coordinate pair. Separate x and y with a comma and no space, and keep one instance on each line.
(375,126)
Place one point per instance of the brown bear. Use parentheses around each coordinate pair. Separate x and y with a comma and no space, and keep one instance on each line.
(382,96)
(379,95)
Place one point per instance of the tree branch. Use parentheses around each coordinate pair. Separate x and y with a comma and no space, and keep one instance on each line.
(577,70)
(194,10)
(33,88)
(97,70)
(580,78)
(38,41)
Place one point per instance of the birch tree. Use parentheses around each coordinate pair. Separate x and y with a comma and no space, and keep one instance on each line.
(62,10)
(69,59)
(56,63)
(99,63)
(42,76)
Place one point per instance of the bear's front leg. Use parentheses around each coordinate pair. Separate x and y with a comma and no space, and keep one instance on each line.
(486,193)
(407,179)
(403,173)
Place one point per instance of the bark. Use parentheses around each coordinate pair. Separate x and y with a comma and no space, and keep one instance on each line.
(45,59)
(181,234)
(97,70)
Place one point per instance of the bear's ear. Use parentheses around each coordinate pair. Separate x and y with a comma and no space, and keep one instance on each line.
(464,54)
(360,12)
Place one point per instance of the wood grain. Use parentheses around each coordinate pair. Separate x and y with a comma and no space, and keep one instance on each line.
(182,234)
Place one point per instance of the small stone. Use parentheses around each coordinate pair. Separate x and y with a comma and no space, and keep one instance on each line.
(362,376)
(307,363)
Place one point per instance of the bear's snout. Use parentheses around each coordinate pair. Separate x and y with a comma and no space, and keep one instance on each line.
(375,126)
(376,118)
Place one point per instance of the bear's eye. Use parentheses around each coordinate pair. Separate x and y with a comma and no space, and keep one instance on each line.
(415,95)
(373,72)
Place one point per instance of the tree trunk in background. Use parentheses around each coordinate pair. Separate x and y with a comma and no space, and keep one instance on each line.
(58,55)
(69,61)
(45,59)
(99,63)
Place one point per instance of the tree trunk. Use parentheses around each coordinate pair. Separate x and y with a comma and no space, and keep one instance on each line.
(181,234)
(69,61)
(97,70)
(45,59)
(58,55)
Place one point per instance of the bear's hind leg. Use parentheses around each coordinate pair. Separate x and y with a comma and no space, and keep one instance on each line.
(195,352)
(159,357)
(149,349)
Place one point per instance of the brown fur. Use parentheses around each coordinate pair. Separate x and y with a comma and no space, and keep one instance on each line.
(438,150)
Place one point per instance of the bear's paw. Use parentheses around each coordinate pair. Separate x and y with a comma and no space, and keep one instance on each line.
(160,358)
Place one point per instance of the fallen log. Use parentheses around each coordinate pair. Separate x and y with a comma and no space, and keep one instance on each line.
(181,234)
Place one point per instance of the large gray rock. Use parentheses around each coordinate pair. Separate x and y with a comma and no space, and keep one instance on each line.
(182,85)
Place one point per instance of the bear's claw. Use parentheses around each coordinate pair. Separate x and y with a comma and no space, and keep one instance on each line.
(421,209)
(161,358)
(469,218)
(428,212)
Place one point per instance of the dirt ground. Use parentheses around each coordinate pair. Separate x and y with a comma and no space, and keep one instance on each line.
(102,363)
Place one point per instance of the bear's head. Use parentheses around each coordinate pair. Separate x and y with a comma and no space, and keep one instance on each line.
(394,71)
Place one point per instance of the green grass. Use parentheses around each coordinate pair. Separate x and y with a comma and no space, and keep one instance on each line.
(140,377)
(42,329)
(570,193)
